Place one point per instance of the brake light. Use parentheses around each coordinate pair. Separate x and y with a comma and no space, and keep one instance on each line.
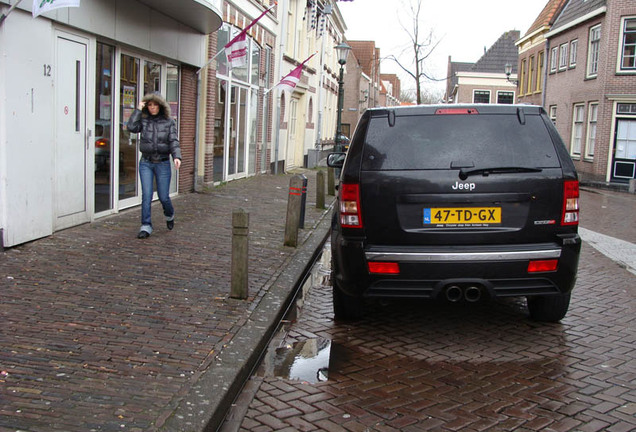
(350,212)
(456,111)
(570,203)
(542,266)
(384,267)
(101,142)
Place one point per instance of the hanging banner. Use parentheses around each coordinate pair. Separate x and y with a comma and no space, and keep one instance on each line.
(288,82)
(236,49)
(41,6)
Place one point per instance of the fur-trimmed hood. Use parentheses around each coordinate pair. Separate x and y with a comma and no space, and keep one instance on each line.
(164,107)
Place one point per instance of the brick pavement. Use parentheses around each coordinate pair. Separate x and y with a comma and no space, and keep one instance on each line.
(415,366)
(103,332)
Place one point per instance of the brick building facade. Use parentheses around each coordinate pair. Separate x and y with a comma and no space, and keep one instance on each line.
(590,90)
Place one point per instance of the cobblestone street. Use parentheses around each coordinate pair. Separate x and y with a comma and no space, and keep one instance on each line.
(413,366)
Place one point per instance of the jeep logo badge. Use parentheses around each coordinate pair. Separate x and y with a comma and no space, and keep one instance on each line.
(463,186)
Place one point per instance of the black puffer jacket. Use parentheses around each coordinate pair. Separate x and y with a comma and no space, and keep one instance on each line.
(159,137)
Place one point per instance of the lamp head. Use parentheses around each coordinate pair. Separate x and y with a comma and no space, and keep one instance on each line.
(508,69)
(342,50)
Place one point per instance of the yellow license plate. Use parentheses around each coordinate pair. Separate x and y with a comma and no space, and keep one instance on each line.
(466,216)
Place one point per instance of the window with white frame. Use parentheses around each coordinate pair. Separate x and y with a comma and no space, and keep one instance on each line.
(578,114)
(628,54)
(573,48)
(481,96)
(553,114)
(563,56)
(593,51)
(505,97)
(554,53)
(592,115)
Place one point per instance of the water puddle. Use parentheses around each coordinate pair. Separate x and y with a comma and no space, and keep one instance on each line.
(306,360)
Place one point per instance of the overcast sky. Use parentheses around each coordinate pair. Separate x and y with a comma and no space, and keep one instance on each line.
(462,27)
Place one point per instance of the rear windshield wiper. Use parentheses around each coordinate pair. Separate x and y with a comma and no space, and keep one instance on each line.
(464,174)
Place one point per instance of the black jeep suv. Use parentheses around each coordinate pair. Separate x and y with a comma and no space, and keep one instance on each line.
(459,202)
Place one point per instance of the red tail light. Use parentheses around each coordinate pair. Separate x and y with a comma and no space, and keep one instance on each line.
(350,212)
(101,142)
(570,203)
(542,266)
(384,267)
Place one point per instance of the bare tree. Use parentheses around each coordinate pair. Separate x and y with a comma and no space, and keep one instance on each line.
(431,96)
(421,47)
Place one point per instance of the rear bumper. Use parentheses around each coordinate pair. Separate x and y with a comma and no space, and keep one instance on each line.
(428,272)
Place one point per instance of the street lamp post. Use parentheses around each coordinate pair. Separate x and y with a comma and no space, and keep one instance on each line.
(342,50)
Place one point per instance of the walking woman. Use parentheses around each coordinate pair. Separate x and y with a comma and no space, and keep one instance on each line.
(158,141)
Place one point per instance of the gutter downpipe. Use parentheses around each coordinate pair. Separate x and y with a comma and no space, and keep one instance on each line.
(321,90)
(545,73)
(281,53)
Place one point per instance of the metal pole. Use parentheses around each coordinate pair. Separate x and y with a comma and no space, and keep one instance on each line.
(340,104)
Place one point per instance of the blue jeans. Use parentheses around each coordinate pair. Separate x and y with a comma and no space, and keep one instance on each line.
(161,172)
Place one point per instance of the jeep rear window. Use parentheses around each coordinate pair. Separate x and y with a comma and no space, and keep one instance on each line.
(434,141)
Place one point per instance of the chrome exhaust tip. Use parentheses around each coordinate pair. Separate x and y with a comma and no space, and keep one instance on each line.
(472,294)
(454,293)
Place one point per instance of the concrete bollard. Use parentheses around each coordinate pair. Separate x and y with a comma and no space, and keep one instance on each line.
(331,182)
(240,231)
(632,186)
(294,204)
(320,189)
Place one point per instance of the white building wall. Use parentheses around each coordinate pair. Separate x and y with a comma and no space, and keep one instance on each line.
(27,95)
(26,157)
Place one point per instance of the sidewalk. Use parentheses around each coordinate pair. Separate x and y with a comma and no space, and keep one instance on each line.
(105,332)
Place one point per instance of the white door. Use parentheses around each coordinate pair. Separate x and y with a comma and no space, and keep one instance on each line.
(71,162)
(291,134)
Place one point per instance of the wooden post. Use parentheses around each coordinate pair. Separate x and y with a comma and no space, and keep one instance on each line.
(240,231)
(320,189)
(331,182)
(294,203)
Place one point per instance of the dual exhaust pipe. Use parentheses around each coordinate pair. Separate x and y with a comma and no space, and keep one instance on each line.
(471,293)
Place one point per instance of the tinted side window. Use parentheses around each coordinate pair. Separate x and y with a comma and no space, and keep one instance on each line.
(434,141)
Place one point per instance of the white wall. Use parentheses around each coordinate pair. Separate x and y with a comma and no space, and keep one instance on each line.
(131,23)
(26,155)
(27,93)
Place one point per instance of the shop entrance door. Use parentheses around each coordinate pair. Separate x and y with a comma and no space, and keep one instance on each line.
(237,148)
(71,141)
(137,77)
(624,163)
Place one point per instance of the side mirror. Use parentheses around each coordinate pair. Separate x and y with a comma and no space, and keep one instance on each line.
(336,160)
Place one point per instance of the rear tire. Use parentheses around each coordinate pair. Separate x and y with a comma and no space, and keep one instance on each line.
(346,307)
(549,308)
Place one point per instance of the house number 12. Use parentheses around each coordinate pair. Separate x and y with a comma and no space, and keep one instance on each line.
(47,70)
